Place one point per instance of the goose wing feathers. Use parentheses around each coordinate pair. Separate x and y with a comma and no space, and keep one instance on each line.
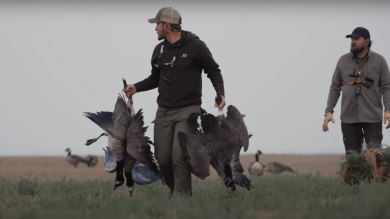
(116,122)
(196,148)
(238,172)
(138,145)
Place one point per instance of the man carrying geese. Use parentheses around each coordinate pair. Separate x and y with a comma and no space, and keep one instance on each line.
(177,65)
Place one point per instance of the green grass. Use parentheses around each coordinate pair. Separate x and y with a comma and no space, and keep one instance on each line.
(272,197)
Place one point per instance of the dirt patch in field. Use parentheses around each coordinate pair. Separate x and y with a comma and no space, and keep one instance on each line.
(55,168)
(49,168)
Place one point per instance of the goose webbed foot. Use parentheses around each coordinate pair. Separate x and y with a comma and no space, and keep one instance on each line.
(229,183)
(170,194)
(243,181)
(248,187)
(131,190)
(129,182)
(119,178)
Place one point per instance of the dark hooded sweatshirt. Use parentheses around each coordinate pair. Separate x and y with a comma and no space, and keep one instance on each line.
(177,72)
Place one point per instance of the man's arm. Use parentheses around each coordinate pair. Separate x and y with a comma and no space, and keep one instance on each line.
(334,91)
(333,97)
(211,68)
(144,85)
(384,84)
(149,83)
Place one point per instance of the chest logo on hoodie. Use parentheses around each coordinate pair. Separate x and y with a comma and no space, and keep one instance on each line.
(184,55)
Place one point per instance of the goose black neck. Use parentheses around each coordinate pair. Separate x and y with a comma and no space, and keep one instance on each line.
(257,157)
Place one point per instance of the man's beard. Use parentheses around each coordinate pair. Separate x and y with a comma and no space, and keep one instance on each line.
(160,36)
(356,50)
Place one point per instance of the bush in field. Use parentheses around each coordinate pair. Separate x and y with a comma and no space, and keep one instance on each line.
(370,165)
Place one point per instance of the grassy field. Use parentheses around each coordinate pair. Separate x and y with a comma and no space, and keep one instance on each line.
(303,196)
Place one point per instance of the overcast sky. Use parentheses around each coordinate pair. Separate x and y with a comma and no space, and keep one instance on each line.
(60,59)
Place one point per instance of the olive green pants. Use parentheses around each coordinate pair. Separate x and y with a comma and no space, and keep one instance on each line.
(173,166)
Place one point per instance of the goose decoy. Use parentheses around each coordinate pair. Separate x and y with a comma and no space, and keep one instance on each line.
(217,142)
(255,167)
(131,131)
(276,168)
(74,160)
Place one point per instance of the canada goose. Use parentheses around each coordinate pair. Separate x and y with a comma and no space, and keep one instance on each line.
(256,168)
(276,168)
(217,142)
(131,131)
(74,160)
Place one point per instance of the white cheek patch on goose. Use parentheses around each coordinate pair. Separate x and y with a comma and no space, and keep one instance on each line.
(198,120)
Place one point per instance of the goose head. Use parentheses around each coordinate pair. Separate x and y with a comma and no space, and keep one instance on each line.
(257,155)
(68,151)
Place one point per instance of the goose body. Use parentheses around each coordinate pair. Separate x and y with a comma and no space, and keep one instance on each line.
(256,168)
(217,142)
(277,168)
(130,130)
(74,160)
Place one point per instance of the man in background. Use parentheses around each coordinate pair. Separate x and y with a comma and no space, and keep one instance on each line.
(363,78)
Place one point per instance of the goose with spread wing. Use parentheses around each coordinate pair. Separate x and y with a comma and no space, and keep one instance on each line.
(131,131)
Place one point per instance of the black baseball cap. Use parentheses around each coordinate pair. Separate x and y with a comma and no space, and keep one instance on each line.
(359,32)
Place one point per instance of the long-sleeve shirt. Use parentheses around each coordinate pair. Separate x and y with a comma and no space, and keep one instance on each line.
(177,72)
(368,105)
